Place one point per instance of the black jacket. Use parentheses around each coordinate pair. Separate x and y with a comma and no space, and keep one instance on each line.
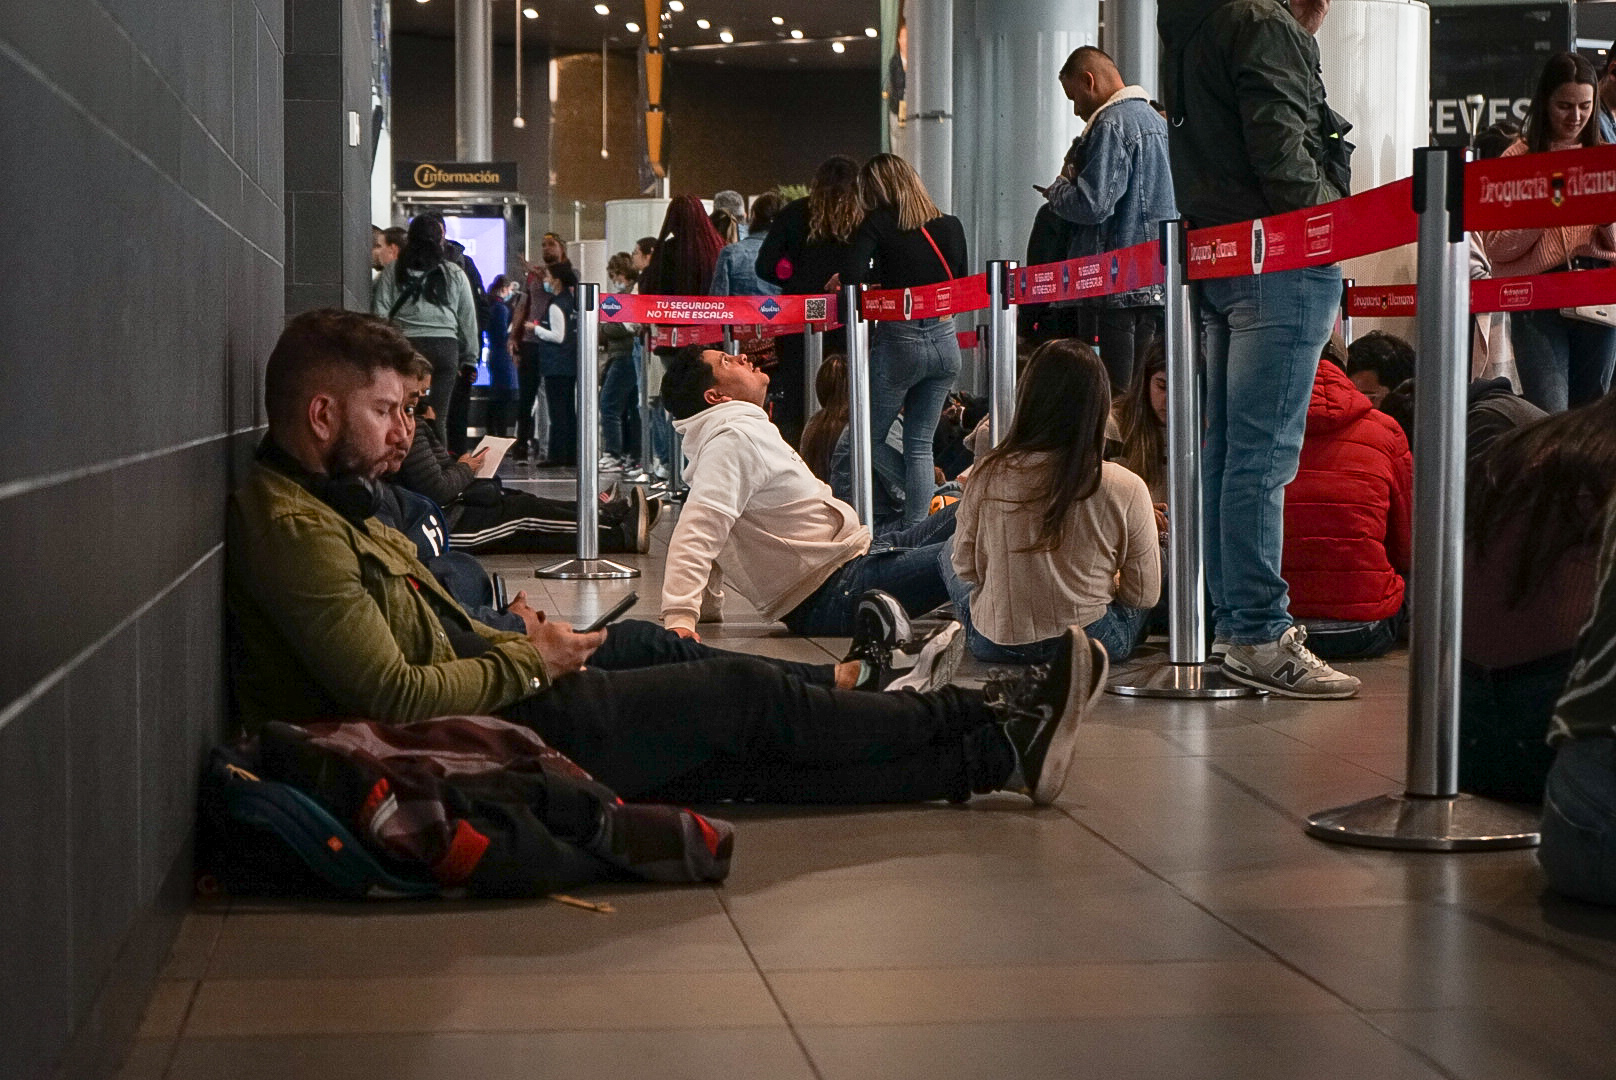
(791,261)
(1257,136)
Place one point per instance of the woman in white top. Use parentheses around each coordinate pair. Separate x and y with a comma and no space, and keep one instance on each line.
(1049,533)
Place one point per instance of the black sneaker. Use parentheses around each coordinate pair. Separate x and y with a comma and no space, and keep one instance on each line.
(925,664)
(1040,709)
(880,625)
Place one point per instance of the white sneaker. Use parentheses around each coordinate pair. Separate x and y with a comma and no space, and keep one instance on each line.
(1286,667)
(931,661)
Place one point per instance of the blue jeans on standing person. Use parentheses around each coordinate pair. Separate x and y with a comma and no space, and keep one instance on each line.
(619,408)
(913,366)
(1562,362)
(903,563)
(1119,629)
(1578,851)
(1264,335)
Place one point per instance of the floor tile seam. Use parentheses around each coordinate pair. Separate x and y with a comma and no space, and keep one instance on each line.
(922,969)
(683,971)
(1279,958)
(344,1036)
(768,984)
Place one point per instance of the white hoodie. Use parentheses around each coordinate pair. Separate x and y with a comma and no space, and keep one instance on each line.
(755,511)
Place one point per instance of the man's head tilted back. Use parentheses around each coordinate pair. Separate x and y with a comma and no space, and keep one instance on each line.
(698,377)
(334,390)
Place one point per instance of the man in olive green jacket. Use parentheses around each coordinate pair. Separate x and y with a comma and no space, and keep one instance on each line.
(336,617)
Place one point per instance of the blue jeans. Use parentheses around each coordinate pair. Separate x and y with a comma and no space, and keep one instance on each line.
(619,407)
(1562,362)
(1579,821)
(903,563)
(1264,335)
(1119,629)
(913,366)
(1337,639)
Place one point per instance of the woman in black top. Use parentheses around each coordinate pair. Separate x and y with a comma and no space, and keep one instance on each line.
(906,241)
(809,250)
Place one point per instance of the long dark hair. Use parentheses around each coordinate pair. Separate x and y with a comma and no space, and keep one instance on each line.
(425,251)
(819,435)
(1554,477)
(1561,68)
(1144,436)
(1061,409)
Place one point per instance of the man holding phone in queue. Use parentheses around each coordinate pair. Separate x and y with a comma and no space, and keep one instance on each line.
(335,617)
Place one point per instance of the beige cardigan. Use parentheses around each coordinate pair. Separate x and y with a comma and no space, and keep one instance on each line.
(1110,552)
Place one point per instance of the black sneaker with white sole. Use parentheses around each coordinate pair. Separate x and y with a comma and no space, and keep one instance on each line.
(1040,709)
(880,625)
(925,664)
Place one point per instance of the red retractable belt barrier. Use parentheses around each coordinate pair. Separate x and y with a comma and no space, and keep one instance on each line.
(1110,272)
(968,340)
(1581,288)
(1317,236)
(1382,301)
(1534,191)
(926,301)
(672,337)
(720,310)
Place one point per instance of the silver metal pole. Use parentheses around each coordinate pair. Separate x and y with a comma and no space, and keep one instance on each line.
(1001,350)
(730,345)
(1185,673)
(1430,815)
(813,356)
(644,475)
(1346,319)
(858,412)
(588,565)
(474,81)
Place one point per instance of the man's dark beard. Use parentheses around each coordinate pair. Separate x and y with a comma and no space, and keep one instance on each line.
(346,459)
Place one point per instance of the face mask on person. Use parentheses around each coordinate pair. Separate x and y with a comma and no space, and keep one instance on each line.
(549,286)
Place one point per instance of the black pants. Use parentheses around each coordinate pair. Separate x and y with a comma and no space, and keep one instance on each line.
(741,728)
(637,643)
(444,355)
(460,411)
(527,383)
(787,390)
(524,522)
(1125,335)
(561,395)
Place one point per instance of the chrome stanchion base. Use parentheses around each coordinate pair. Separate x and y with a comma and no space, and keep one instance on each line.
(587,570)
(1164,679)
(1428,823)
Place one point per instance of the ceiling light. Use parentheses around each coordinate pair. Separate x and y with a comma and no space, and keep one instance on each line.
(837,47)
(675,5)
(797,34)
(778,20)
(870,31)
(703,24)
(632,27)
(726,37)
(602,9)
(529,13)
(420,1)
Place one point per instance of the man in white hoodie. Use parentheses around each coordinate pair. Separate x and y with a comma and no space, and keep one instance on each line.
(756,512)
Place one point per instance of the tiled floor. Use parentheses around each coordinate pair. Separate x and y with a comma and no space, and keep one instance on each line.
(1167,919)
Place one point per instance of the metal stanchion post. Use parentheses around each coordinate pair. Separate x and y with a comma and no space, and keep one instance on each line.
(813,355)
(1431,815)
(1001,350)
(1185,673)
(644,475)
(588,566)
(858,414)
(1346,318)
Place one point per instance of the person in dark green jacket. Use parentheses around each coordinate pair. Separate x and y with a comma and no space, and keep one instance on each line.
(336,617)
(1250,135)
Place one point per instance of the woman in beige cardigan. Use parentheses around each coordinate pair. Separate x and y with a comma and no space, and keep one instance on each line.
(1563,362)
(1049,534)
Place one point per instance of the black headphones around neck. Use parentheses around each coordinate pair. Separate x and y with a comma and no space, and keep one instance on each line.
(355,498)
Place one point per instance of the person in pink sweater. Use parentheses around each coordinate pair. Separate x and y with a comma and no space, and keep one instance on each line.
(1563,362)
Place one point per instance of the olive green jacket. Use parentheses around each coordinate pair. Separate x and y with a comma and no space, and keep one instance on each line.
(334,620)
(1253,138)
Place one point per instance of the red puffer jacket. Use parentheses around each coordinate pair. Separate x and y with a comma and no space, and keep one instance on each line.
(1347,512)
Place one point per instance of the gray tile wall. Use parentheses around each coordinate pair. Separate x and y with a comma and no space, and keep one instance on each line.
(328,75)
(143,269)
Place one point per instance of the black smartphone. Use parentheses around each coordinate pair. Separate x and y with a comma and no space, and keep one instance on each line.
(611,616)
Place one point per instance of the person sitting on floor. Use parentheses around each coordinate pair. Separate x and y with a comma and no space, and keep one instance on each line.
(1050,533)
(1533,504)
(755,510)
(1378,363)
(335,617)
(485,516)
(1347,523)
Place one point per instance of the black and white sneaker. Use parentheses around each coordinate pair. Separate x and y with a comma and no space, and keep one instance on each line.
(1040,709)
(880,625)
(925,664)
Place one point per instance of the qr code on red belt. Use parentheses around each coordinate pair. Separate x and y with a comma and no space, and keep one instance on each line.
(813,309)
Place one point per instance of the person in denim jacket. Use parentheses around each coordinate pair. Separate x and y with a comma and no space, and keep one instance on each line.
(1115,188)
